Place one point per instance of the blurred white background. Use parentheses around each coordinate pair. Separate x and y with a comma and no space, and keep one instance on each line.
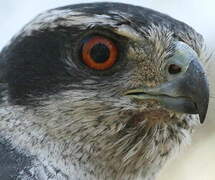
(197,162)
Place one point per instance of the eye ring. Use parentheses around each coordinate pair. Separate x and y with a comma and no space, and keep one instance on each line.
(108,53)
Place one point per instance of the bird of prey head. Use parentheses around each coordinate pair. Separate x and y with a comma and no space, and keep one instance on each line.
(102,91)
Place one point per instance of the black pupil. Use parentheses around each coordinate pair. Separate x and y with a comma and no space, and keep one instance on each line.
(100,53)
(174,69)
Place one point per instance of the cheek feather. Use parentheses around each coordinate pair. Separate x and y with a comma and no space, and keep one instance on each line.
(152,117)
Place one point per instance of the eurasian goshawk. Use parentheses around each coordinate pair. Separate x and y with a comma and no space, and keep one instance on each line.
(104,91)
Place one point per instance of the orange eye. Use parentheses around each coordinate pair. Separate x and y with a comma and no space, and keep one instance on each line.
(99,53)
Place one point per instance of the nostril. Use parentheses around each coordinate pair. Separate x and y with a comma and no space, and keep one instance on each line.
(174,69)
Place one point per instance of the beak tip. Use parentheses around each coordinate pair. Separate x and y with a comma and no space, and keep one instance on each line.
(202,120)
(203,113)
(202,117)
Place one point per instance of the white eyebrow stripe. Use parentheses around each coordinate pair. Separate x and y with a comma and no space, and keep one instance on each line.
(53,18)
(128,31)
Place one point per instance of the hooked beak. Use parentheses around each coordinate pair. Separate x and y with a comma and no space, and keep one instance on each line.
(188,92)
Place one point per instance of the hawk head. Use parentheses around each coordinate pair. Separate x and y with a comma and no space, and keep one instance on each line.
(103,90)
